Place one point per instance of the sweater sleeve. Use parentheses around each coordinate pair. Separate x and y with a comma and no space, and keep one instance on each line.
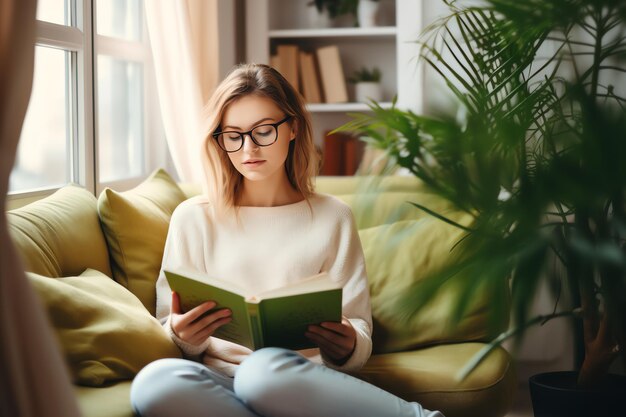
(176,254)
(346,263)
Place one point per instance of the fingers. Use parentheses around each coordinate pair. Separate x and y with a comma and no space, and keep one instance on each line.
(336,340)
(175,308)
(344,328)
(196,325)
(208,331)
(604,331)
(196,312)
(331,350)
(197,331)
(210,321)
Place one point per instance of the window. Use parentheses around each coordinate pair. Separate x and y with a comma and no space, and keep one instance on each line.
(121,62)
(92,107)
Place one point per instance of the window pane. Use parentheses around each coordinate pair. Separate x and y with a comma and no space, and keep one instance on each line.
(120,119)
(42,155)
(120,19)
(54,11)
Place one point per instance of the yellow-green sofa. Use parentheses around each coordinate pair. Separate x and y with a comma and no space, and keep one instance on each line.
(107,332)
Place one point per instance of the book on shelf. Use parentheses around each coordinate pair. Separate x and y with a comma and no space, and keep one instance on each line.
(275,63)
(309,78)
(341,154)
(331,74)
(332,153)
(289,61)
(353,154)
(276,318)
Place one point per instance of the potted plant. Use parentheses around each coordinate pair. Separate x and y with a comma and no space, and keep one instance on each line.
(366,84)
(327,10)
(536,156)
(367,12)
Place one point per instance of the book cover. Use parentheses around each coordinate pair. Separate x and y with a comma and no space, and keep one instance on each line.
(332,75)
(308,76)
(333,153)
(353,154)
(288,59)
(274,318)
(275,63)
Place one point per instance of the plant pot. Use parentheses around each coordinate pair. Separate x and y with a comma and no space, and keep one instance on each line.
(367,12)
(366,91)
(554,394)
(318,19)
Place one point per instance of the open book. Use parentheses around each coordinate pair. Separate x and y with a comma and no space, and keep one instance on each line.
(274,318)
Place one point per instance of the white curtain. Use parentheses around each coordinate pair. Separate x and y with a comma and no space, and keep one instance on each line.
(34,379)
(184,40)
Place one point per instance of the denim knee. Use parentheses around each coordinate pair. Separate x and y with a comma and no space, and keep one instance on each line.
(267,374)
(158,388)
(147,390)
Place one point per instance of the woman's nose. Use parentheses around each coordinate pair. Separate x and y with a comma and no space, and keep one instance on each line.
(249,144)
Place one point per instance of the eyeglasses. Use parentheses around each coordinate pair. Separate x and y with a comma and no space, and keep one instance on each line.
(262,135)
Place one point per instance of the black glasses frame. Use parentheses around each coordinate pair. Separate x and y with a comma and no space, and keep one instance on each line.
(242,135)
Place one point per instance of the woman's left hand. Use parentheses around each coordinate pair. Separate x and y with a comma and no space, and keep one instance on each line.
(335,340)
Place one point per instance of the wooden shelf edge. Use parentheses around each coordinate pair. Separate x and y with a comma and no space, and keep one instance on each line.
(342,107)
(380,31)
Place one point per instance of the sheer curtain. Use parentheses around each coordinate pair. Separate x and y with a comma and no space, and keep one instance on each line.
(184,40)
(34,379)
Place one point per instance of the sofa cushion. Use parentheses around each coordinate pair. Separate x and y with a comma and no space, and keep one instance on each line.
(429,376)
(337,185)
(135,224)
(60,235)
(108,401)
(104,330)
(376,208)
(404,254)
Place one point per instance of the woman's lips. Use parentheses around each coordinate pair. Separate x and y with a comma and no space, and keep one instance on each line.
(253,164)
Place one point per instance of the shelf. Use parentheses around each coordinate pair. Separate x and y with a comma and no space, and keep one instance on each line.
(342,107)
(390,47)
(383,31)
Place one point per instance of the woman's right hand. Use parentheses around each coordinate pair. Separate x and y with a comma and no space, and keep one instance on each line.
(194,326)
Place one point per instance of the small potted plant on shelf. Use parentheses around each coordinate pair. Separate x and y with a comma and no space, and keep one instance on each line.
(367,12)
(536,157)
(366,84)
(324,12)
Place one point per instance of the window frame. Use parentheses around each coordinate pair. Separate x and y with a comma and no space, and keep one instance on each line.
(80,39)
(132,51)
(74,39)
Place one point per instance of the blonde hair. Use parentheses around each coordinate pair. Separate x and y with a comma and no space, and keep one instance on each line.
(223,181)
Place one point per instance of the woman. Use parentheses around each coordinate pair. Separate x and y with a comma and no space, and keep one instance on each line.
(261,226)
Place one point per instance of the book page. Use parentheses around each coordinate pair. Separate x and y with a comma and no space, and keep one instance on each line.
(205,279)
(315,283)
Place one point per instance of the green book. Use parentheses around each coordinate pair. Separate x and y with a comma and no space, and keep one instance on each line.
(276,318)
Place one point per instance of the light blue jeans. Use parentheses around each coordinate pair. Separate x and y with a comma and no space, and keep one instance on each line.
(271,382)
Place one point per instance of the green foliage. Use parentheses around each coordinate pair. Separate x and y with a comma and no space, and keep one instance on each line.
(537,155)
(336,7)
(365,74)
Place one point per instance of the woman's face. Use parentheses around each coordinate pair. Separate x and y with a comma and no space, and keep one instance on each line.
(254,162)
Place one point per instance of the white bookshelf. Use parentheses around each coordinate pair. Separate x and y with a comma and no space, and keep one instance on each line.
(390,46)
(352,33)
(342,107)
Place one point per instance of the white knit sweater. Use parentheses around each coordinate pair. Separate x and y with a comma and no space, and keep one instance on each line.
(269,248)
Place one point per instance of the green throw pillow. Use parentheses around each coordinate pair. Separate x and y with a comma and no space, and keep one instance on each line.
(135,224)
(60,235)
(104,330)
(405,253)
